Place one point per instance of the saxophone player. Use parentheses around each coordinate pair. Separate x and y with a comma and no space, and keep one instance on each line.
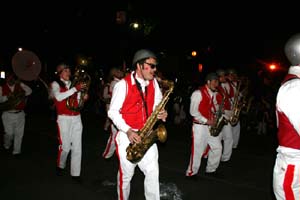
(134,98)
(202,108)
(233,83)
(226,132)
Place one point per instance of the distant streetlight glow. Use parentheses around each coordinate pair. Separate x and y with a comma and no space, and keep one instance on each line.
(272,67)
(135,25)
(2,74)
(194,53)
(200,67)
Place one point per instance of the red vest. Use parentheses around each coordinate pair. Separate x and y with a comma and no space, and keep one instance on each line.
(206,104)
(227,104)
(287,134)
(231,90)
(133,109)
(61,106)
(6,91)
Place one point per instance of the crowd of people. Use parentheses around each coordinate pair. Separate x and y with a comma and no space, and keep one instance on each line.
(215,111)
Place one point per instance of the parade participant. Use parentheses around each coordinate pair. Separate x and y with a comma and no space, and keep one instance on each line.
(226,133)
(68,122)
(133,100)
(286,174)
(233,83)
(14,93)
(202,107)
(110,148)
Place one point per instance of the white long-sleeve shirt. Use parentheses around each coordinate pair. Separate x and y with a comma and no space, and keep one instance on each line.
(58,95)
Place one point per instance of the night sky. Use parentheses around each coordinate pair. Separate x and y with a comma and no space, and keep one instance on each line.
(235,33)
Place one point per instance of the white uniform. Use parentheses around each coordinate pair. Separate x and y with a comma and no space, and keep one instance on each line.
(69,131)
(111,145)
(286,174)
(226,133)
(149,163)
(14,122)
(201,137)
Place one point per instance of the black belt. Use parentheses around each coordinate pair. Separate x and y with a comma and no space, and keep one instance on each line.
(15,111)
(197,123)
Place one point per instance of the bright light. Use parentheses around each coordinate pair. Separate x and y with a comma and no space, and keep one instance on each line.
(135,25)
(272,67)
(2,74)
(200,67)
(194,53)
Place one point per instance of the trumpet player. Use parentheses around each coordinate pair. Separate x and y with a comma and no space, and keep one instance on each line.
(134,99)
(202,107)
(14,93)
(68,122)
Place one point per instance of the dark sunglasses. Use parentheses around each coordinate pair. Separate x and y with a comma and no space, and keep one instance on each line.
(151,65)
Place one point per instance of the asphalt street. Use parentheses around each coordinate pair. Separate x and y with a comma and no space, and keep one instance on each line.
(248,175)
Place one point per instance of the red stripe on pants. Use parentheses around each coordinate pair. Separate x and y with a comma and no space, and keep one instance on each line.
(287,183)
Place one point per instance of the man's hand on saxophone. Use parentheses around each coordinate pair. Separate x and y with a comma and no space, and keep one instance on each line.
(133,136)
(163,114)
(211,122)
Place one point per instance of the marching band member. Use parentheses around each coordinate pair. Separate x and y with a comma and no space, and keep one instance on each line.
(110,148)
(133,100)
(68,122)
(233,83)
(226,132)
(14,118)
(286,174)
(202,107)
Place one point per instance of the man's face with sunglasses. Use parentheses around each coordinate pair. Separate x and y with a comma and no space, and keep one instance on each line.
(148,68)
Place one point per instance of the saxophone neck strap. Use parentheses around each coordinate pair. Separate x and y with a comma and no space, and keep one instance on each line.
(138,85)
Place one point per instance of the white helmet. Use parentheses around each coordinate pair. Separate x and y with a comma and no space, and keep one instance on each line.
(142,54)
(292,49)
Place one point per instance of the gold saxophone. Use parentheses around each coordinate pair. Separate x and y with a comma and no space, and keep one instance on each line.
(239,102)
(80,76)
(136,151)
(216,128)
(13,100)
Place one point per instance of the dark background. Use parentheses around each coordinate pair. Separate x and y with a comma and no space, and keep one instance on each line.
(241,35)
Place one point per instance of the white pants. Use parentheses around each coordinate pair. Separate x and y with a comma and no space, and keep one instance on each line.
(236,134)
(148,165)
(226,136)
(14,124)
(200,139)
(69,136)
(286,175)
(111,144)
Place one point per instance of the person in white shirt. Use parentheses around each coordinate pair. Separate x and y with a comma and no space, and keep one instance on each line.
(133,100)
(68,121)
(110,148)
(14,93)
(286,173)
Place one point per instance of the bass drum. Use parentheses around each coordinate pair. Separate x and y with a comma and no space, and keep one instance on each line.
(26,65)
